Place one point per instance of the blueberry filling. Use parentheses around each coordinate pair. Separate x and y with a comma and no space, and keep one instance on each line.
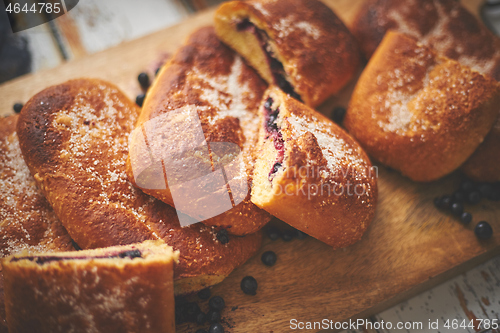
(272,130)
(276,67)
(48,259)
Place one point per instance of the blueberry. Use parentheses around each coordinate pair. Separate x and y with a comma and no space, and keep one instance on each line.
(131,254)
(466,218)
(483,230)
(222,236)
(486,190)
(268,104)
(269,258)
(495,195)
(201,318)
(273,233)
(288,235)
(249,285)
(301,235)
(192,309)
(474,197)
(18,107)
(139,100)
(213,316)
(200,331)
(204,294)
(446,202)
(216,303)
(143,79)
(338,114)
(458,196)
(157,70)
(438,202)
(467,186)
(216,328)
(457,209)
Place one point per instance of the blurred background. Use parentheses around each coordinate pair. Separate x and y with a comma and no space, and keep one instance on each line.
(92,26)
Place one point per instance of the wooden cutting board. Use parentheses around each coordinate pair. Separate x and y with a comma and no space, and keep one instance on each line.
(409,247)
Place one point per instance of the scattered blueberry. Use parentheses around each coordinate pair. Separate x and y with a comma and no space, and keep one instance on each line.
(273,233)
(301,235)
(201,318)
(288,235)
(338,114)
(466,218)
(200,331)
(18,107)
(483,230)
(438,202)
(269,258)
(192,310)
(222,236)
(467,186)
(474,197)
(457,209)
(139,100)
(143,79)
(157,70)
(458,197)
(213,316)
(249,285)
(216,328)
(204,294)
(216,303)
(486,190)
(446,202)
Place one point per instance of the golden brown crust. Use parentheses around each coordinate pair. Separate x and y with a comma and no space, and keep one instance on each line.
(452,31)
(92,295)
(420,113)
(318,52)
(75,140)
(211,80)
(444,25)
(326,186)
(28,221)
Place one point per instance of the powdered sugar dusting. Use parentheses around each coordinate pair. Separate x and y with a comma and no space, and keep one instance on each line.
(335,150)
(26,220)
(287,25)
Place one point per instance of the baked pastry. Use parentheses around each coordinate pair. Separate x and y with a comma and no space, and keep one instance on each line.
(484,164)
(118,289)
(311,174)
(194,142)
(452,31)
(28,221)
(74,137)
(444,25)
(418,112)
(299,45)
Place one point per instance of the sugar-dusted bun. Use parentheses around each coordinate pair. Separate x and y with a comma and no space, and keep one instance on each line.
(444,25)
(298,45)
(420,113)
(118,289)
(311,174)
(205,86)
(452,31)
(74,137)
(28,221)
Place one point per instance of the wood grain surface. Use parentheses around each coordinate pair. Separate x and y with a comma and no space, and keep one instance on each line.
(409,247)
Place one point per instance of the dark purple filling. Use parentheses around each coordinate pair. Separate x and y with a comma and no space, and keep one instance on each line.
(273,131)
(48,259)
(276,67)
